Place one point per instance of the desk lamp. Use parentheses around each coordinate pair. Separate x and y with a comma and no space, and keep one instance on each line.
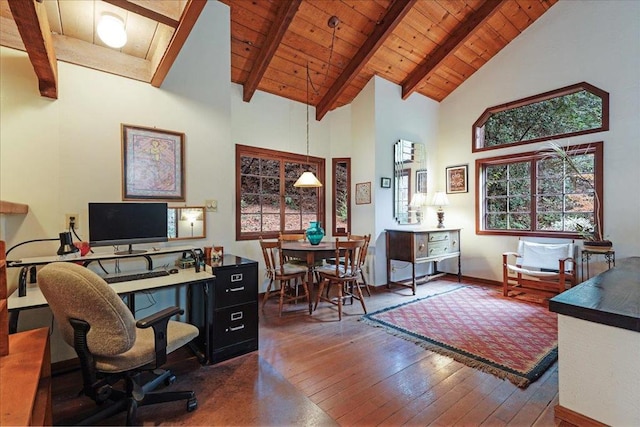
(66,244)
(440,200)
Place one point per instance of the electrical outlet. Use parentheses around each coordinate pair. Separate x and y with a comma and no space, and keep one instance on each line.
(211,205)
(69,218)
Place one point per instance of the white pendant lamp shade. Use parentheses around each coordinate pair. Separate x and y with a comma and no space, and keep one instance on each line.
(307,180)
(111,30)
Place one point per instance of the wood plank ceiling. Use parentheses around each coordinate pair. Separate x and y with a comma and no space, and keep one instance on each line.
(425,46)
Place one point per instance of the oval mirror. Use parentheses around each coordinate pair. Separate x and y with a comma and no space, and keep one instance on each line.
(188,222)
(409,181)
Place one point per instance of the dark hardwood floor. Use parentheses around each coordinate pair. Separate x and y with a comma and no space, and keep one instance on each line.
(316,370)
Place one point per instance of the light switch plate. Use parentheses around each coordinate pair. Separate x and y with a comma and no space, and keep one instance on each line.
(211,205)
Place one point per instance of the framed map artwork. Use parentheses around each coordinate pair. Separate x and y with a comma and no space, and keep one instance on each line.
(152,164)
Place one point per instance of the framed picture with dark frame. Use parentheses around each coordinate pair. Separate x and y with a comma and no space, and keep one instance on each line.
(152,164)
(385,182)
(457,179)
(421,181)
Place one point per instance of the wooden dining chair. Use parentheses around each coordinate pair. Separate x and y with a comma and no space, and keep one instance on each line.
(363,258)
(289,276)
(342,275)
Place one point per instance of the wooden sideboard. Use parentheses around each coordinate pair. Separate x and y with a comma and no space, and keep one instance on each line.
(422,246)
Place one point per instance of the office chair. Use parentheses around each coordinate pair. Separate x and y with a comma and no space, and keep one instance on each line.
(110,344)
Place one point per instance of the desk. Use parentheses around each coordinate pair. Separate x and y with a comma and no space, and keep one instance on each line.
(35,299)
(310,253)
(609,256)
(28,263)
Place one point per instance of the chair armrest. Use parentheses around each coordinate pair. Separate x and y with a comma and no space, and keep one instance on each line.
(510,253)
(158,317)
(159,321)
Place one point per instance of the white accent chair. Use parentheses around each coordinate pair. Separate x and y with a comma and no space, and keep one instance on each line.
(543,269)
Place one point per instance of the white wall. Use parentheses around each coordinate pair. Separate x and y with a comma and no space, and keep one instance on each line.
(595,41)
(414,119)
(598,374)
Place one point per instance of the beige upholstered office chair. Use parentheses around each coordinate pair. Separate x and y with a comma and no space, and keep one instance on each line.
(109,342)
(543,269)
(289,276)
(343,275)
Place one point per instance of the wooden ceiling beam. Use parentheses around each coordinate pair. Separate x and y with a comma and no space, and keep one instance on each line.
(188,19)
(451,44)
(390,21)
(143,11)
(284,16)
(31,19)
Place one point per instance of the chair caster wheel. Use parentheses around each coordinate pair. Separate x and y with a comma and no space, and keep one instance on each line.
(170,380)
(192,404)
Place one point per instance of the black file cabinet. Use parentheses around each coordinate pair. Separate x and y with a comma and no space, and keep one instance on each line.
(228,309)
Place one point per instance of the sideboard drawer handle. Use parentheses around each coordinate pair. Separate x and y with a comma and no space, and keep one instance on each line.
(236,277)
(237,315)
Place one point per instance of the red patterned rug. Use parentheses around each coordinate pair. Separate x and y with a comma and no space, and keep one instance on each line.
(477,326)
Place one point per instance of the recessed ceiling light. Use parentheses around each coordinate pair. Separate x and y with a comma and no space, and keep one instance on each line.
(111,30)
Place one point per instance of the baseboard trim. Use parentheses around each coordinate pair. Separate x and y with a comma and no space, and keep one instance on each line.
(575,418)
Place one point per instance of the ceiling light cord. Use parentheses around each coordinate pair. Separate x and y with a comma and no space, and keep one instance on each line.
(308,80)
(332,23)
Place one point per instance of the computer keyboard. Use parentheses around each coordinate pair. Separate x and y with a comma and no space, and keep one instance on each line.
(135,276)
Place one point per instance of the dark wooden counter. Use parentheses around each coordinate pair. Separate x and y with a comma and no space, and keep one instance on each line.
(610,298)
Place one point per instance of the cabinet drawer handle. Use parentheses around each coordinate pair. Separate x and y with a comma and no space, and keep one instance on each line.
(241,288)
(236,316)
(236,328)
(236,277)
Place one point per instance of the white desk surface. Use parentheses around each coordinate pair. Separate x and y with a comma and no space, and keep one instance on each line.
(99,256)
(34,297)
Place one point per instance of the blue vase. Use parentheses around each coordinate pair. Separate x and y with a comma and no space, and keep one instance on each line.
(314,233)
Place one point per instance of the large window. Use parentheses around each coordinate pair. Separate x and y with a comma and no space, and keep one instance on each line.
(569,111)
(541,193)
(267,203)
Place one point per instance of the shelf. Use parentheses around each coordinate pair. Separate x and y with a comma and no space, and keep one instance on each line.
(13,208)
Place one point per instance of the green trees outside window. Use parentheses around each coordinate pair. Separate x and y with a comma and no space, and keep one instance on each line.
(569,111)
(539,193)
(267,203)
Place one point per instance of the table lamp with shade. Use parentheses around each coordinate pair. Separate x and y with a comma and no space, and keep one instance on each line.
(418,202)
(440,199)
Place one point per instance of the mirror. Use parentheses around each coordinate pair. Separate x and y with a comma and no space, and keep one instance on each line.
(188,222)
(341,196)
(409,181)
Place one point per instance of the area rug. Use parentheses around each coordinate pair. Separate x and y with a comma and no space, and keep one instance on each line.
(477,326)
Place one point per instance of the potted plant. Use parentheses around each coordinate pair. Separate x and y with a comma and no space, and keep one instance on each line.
(590,231)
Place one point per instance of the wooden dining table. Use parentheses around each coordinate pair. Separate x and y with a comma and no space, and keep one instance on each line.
(312,254)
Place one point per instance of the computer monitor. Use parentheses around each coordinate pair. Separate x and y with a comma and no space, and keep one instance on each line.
(123,223)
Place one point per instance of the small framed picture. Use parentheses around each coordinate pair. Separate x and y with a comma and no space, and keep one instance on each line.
(152,164)
(457,178)
(421,181)
(385,182)
(363,193)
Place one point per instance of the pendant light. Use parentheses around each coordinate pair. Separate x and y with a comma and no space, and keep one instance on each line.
(308,179)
